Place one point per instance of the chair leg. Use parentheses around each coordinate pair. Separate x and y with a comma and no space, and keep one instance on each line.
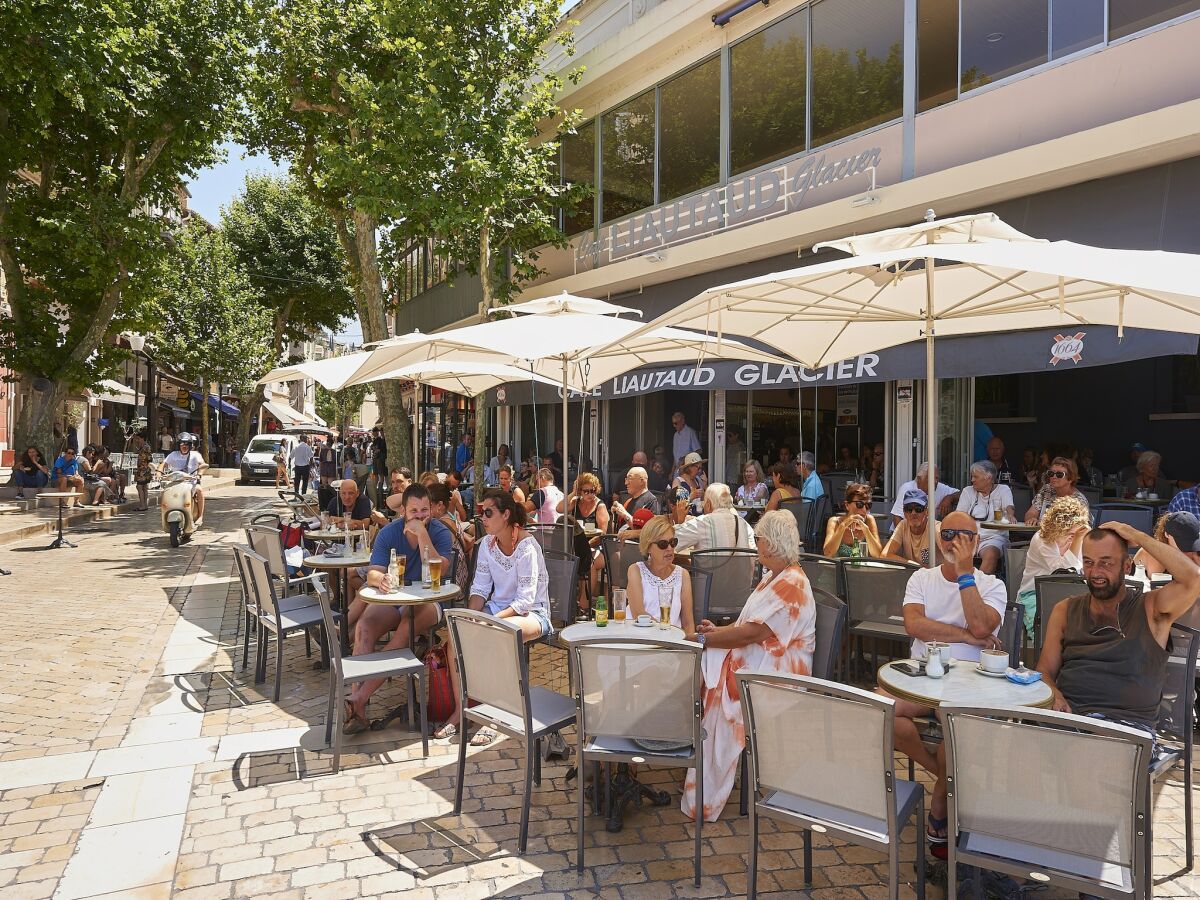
(529,755)
(245,640)
(424,715)
(260,663)
(743,788)
(307,644)
(331,706)
(278,662)
(752,870)
(338,706)
(1187,809)
(537,763)
(920,826)
(808,857)
(462,764)
(580,784)
(699,807)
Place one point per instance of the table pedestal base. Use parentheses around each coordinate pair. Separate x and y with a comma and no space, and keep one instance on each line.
(617,789)
(60,541)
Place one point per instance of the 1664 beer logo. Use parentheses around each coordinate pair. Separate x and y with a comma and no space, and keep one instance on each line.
(1065,348)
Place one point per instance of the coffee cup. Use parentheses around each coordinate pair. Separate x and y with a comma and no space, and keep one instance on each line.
(994,660)
(1152,496)
(644,620)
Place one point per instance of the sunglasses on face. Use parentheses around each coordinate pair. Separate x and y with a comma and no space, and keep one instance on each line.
(949,534)
(914,508)
(1056,473)
(861,504)
(487,512)
(667,542)
(588,491)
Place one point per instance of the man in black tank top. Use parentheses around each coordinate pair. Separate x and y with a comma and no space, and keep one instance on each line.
(1105,652)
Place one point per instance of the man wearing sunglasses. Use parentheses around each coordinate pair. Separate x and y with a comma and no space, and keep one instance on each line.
(962,606)
(1105,652)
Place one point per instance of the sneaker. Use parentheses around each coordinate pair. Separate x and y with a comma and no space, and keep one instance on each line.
(20,495)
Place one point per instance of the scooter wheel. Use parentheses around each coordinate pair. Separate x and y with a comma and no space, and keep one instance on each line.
(175,533)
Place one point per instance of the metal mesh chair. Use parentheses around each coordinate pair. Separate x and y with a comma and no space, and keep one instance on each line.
(1052,590)
(1062,798)
(1014,568)
(493,673)
(831,631)
(1176,721)
(561,567)
(1140,517)
(846,785)
(835,487)
(806,513)
(354,669)
(1022,499)
(732,574)
(1093,495)
(875,596)
(619,555)
(633,692)
(824,572)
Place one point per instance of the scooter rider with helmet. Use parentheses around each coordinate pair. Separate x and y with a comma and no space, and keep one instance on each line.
(184,459)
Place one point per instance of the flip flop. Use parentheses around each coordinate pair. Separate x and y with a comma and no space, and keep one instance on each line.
(483,737)
(934,825)
(354,723)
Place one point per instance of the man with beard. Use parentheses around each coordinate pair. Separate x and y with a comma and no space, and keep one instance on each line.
(1105,652)
(959,605)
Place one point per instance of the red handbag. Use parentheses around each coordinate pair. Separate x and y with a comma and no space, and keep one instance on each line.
(441,690)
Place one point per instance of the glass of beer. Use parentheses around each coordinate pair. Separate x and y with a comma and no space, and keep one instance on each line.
(435,573)
(619,603)
(664,606)
(401,561)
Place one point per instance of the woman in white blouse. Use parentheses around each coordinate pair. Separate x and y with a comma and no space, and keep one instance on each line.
(754,484)
(1057,545)
(658,581)
(987,501)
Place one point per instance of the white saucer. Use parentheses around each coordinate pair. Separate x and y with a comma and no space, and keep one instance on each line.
(982,671)
(637,624)
(924,660)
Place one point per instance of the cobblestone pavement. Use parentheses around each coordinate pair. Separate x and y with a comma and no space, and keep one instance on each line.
(138,759)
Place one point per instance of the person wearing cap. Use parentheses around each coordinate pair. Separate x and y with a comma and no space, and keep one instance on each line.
(184,459)
(1131,470)
(910,541)
(1057,545)
(684,440)
(639,498)
(1179,529)
(691,479)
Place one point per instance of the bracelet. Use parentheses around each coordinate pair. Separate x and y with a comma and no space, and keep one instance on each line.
(966,581)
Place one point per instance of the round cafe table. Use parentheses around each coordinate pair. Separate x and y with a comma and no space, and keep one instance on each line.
(332,535)
(1011,527)
(61,497)
(962,684)
(340,566)
(619,631)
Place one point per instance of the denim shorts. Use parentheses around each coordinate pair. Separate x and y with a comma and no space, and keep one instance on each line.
(547,626)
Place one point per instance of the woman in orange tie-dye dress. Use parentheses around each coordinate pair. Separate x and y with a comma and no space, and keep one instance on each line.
(775,631)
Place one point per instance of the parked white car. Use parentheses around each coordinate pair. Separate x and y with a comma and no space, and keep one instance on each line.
(258,460)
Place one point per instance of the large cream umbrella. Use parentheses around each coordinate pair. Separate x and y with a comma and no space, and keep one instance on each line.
(967,275)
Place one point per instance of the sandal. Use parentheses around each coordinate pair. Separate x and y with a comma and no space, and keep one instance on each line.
(446,731)
(354,723)
(483,737)
(935,831)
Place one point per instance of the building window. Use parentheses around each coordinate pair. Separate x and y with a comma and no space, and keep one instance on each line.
(690,131)
(1128,16)
(1075,25)
(768,75)
(579,167)
(627,158)
(857,66)
(937,53)
(1001,38)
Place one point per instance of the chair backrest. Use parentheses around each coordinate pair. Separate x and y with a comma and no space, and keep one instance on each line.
(644,689)
(701,593)
(491,663)
(258,575)
(249,599)
(558,536)
(820,515)
(1177,709)
(831,628)
(843,735)
(1014,568)
(1010,631)
(1140,517)
(562,568)
(824,572)
(803,510)
(268,543)
(1052,590)
(733,573)
(835,487)
(1022,499)
(1093,495)
(1052,781)
(875,588)
(333,645)
(619,555)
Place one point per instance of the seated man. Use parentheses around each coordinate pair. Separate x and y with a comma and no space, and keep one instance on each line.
(811,486)
(957,604)
(640,497)
(718,526)
(66,474)
(1105,652)
(944,500)
(349,506)
(393,503)
(910,541)
(414,535)
(184,459)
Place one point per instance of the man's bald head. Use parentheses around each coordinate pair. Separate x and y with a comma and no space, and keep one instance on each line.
(348,491)
(957,521)
(640,459)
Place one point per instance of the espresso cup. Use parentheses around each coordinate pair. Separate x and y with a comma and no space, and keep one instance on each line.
(645,619)
(994,660)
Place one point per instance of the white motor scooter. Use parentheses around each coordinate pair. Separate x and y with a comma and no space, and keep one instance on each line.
(176,506)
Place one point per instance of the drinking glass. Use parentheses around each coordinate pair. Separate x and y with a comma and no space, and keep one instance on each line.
(664,606)
(426,575)
(435,574)
(619,604)
(401,562)
(325,520)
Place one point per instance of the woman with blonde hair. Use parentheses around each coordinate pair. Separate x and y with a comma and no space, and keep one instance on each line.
(1056,545)
(753,488)
(658,582)
(856,524)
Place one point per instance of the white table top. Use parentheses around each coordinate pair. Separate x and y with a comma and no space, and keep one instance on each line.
(619,631)
(59,495)
(321,561)
(333,534)
(962,684)
(411,595)
(1136,501)
(1008,526)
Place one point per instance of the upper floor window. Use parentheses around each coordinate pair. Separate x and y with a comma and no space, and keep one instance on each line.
(627,158)
(579,167)
(768,79)
(1128,16)
(689,131)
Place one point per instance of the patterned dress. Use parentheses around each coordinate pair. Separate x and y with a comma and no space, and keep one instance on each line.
(785,605)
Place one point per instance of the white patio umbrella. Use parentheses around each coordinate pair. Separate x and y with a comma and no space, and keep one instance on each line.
(966,275)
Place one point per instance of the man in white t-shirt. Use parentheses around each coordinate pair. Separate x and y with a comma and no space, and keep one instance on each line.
(185,459)
(302,458)
(959,605)
(943,502)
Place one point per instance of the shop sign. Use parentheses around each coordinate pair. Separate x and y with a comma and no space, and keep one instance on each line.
(183,398)
(1067,348)
(847,404)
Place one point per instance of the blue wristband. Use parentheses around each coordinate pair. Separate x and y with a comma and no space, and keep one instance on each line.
(966,581)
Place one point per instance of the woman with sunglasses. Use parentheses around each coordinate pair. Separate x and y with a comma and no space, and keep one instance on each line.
(658,581)
(585,505)
(843,532)
(986,501)
(1060,478)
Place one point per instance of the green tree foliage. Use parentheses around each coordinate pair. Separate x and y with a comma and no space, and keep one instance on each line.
(287,246)
(212,329)
(106,108)
(338,407)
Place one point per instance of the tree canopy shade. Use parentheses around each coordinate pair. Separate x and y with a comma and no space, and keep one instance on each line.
(286,245)
(106,108)
(212,329)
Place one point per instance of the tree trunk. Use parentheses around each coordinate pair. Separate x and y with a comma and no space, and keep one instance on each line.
(247,406)
(204,426)
(35,421)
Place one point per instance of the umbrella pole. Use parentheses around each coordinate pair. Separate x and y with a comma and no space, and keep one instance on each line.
(930,410)
(566,454)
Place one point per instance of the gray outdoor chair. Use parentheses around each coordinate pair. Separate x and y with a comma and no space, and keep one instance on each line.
(875,595)
(1176,722)
(1014,568)
(1052,590)
(1055,797)
(824,572)
(810,517)
(493,673)
(619,555)
(632,693)
(821,758)
(1022,500)
(1140,517)
(562,568)
(732,574)
(276,615)
(351,670)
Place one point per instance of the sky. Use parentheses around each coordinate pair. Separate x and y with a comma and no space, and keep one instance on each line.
(215,187)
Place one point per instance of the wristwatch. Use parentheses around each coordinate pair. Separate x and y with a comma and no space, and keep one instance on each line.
(701,638)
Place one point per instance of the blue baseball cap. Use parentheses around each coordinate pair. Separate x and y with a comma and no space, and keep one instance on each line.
(916,495)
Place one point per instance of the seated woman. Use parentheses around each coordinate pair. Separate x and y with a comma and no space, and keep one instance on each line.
(1057,545)
(30,471)
(511,583)
(856,524)
(983,501)
(776,631)
(910,541)
(785,485)
(753,488)
(508,483)
(658,582)
(584,505)
(691,479)
(1060,477)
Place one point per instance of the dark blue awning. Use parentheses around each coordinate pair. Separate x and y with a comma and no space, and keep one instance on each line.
(215,402)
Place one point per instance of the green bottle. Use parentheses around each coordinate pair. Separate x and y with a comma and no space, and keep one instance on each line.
(601,608)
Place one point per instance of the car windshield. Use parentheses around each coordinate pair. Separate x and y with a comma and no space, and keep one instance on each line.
(263,445)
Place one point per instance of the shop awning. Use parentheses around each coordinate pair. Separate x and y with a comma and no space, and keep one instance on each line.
(1006,353)
(227,409)
(286,414)
(114,392)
